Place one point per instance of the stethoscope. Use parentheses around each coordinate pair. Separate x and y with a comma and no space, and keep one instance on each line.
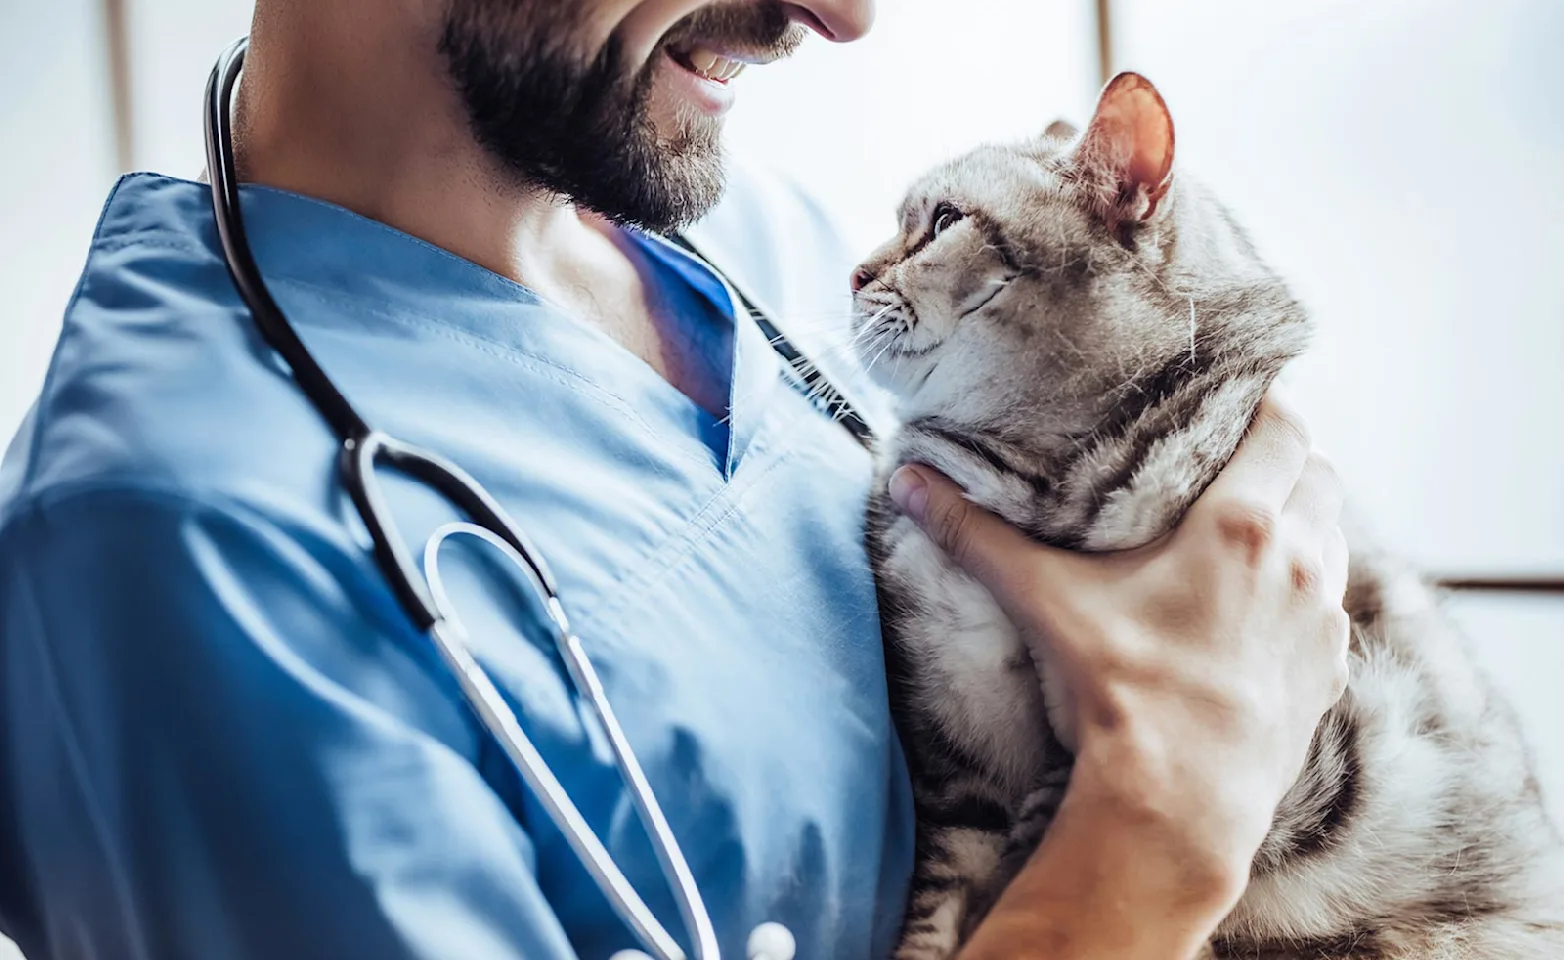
(363,449)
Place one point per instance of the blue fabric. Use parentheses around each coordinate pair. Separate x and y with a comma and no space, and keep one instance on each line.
(222,738)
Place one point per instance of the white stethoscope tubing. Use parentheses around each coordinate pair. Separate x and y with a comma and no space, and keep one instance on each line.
(425,600)
(497,717)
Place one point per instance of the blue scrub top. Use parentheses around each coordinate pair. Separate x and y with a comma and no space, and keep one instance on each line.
(223,739)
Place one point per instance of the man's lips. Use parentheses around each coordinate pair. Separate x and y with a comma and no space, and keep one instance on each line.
(708,64)
(718,63)
(707,68)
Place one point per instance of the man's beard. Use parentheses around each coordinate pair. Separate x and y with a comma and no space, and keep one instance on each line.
(578,125)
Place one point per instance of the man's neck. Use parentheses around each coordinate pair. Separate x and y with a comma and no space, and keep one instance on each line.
(371,125)
(356,110)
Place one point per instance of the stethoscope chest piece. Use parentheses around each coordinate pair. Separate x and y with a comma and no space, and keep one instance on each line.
(769,941)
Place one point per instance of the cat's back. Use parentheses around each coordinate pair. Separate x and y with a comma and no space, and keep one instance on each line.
(1422,832)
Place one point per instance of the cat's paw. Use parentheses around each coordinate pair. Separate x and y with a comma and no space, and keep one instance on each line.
(932,945)
(933,929)
(1037,812)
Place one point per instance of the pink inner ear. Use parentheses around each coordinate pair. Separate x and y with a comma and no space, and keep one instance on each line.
(1132,136)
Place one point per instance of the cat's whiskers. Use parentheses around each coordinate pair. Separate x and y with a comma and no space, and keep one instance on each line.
(1191,330)
(820,357)
(896,364)
(885,344)
(798,325)
(872,321)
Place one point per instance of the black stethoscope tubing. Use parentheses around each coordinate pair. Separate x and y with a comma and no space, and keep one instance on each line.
(364,448)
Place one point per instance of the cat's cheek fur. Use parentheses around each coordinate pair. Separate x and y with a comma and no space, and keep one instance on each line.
(1174,470)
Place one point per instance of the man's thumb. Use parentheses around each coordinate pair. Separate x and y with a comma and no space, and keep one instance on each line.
(996,554)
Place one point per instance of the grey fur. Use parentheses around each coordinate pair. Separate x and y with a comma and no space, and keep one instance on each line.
(1086,379)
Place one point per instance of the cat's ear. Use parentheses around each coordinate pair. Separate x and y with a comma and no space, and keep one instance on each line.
(1061,130)
(1128,149)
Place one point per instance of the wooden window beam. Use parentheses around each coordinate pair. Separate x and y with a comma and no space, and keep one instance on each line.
(116,35)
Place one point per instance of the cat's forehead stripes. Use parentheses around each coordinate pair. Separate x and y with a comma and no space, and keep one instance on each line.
(1002,180)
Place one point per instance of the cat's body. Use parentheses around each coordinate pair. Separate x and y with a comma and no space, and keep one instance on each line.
(1081,347)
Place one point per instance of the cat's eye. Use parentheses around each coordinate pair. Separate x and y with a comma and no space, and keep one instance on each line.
(945,216)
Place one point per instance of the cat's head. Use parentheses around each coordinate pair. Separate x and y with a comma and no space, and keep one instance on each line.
(1055,276)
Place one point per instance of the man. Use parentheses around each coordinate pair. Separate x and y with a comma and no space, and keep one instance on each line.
(223,738)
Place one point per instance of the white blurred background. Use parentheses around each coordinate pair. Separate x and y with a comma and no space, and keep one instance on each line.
(1402,162)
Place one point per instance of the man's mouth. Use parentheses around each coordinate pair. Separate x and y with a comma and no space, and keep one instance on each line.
(707,64)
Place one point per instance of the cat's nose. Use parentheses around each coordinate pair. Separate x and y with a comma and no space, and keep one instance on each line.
(862,277)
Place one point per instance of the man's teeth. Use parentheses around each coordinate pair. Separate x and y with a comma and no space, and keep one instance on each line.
(713,67)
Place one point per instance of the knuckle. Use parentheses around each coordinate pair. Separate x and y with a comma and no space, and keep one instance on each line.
(1308,576)
(1247,708)
(953,526)
(1248,527)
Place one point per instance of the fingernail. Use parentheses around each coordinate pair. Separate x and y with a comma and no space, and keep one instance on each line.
(910,490)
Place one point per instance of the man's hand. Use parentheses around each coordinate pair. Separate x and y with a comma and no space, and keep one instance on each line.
(1197,670)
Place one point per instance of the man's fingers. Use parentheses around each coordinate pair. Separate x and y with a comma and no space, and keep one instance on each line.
(996,554)
(1267,463)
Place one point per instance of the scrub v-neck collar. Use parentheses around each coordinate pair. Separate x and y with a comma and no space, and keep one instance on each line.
(379,272)
(754,367)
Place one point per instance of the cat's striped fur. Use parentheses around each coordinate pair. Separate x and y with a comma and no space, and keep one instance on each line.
(1081,345)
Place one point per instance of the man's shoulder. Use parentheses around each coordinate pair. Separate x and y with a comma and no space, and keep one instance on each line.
(153,376)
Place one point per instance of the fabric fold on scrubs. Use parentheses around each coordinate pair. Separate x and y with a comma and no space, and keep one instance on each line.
(756,365)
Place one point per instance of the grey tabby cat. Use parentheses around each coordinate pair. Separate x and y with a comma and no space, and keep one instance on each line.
(1081,344)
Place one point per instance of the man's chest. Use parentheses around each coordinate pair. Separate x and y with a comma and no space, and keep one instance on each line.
(735,628)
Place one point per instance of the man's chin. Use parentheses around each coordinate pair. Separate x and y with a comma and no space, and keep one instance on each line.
(658,186)
(630,148)
(670,179)
(686,173)
(674,193)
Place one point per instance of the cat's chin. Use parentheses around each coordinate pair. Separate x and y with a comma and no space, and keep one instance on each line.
(904,400)
(903,376)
